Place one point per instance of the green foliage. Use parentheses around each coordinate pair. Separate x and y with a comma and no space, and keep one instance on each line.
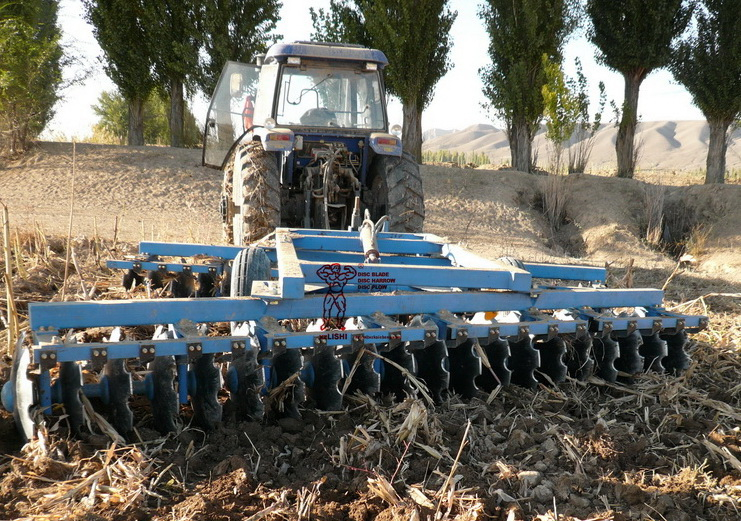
(708,63)
(234,30)
(457,158)
(561,103)
(112,127)
(30,70)
(520,34)
(635,36)
(121,33)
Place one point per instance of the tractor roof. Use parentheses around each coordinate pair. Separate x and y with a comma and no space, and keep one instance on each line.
(326,51)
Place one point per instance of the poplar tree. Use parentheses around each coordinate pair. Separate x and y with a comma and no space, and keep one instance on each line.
(634,38)
(121,30)
(176,40)
(708,64)
(521,34)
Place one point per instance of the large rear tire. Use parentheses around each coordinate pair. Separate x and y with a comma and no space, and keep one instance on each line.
(396,191)
(253,211)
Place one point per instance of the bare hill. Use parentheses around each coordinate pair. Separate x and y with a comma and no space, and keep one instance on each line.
(662,145)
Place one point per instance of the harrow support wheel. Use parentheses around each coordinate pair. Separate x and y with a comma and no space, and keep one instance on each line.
(396,191)
(465,368)
(249,265)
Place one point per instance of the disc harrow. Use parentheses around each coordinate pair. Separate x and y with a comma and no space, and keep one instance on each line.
(315,315)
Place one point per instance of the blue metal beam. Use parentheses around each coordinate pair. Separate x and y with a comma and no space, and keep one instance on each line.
(175,249)
(386,277)
(62,315)
(566,272)
(174,267)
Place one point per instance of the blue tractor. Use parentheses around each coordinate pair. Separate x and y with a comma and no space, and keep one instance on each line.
(303,139)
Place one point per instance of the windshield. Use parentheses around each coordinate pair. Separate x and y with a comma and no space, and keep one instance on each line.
(330,97)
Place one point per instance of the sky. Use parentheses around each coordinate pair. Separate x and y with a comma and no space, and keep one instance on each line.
(458,95)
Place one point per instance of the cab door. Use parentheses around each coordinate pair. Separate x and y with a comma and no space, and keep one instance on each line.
(230,112)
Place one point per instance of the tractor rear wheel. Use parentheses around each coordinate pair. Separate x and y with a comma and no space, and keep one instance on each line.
(253,211)
(396,191)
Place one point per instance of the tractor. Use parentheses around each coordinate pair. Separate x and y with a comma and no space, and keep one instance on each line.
(303,139)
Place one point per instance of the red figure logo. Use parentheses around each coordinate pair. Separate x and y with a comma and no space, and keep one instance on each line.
(335,304)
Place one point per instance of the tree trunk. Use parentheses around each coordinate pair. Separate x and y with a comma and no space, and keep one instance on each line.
(624,145)
(136,122)
(520,146)
(412,132)
(177,104)
(717,145)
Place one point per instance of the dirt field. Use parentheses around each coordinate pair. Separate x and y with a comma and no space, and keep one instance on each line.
(664,448)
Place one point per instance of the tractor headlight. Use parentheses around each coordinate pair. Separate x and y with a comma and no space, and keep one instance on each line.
(269,124)
(396,130)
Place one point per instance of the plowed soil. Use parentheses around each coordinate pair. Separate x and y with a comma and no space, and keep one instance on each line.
(663,448)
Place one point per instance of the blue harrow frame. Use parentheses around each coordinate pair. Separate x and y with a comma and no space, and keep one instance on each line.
(322,275)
